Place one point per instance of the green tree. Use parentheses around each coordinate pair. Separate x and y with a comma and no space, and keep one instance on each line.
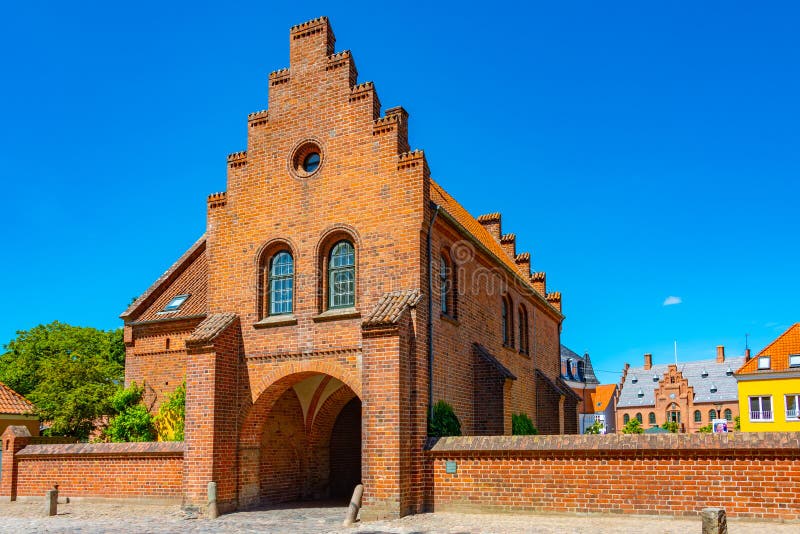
(68,372)
(521,425)
(737,423)
(132,421)
(169,422)
(633,427)
(705,429)
(594,428)
(672,426)
(444,421)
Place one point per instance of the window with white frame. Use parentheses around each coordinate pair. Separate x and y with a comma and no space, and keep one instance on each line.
(763,362)
(794,360)
(792,404)
(761,408)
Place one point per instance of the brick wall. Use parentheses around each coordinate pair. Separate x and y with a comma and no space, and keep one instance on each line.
(748,474)
(101,470)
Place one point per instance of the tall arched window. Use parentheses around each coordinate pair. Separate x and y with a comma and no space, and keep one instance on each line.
(523,330)
(281,283)
(712,414)
(698,417)
(729,415)
(447,294)
(639,417)
(625,419)
(674,413)
(651,418)
(507,323)
(342,276)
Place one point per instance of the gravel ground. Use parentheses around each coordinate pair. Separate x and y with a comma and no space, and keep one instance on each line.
(106,517)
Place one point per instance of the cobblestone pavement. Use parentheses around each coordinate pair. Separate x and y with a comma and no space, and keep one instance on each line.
(91,518)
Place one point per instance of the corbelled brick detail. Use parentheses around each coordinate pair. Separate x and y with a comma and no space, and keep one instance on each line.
(748,474)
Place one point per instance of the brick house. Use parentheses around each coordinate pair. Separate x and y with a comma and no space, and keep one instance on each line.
(337,293)
(691,394)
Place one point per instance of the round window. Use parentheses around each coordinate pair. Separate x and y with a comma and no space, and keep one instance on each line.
(311,162)
(306,159)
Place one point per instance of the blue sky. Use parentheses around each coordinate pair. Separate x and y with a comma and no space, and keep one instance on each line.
(639,150)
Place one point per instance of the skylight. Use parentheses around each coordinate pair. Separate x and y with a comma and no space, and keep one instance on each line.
(176,303)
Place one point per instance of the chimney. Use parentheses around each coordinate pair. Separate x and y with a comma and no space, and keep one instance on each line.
(509,244)
(747,355)
(491,221)
(648,361)
(720,354)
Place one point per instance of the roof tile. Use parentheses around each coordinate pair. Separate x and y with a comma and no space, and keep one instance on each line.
(211,327)
(778,351)
(390,307)
(12,402)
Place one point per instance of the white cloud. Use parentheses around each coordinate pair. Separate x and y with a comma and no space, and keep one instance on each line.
(671,300)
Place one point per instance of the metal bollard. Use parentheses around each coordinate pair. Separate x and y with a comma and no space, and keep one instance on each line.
(355,506)
(714,521)
(51,502)
(213,511)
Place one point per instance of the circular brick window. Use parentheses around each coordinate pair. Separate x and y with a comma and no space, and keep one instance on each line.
(306,159)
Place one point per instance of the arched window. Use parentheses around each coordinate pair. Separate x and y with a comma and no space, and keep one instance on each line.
(674,413)
(729,415)
(582,370)
(523,330)
(651,418)
(342,276)
(698,417)
(507,319)
(281,283)
(447,286)
(625,419)
(639,417)
(712,414)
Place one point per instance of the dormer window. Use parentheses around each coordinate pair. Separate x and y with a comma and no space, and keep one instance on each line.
(704,373)
(175,304)
(713,388)
(655,378)
(729,371)
(794,360)
(634,379)
(763,362)
(640,393)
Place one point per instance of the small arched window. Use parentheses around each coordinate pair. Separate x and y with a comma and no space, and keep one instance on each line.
(342,276)
(626,418)
(447,286)
(639,417)
(507,320)
(281,283)
(651,418)
(712,414)
(523,330)
(698,417)
(729,415)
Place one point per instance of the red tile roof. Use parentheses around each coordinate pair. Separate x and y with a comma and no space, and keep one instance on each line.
(778,351)
(602,396)
(12,402)
(391,306)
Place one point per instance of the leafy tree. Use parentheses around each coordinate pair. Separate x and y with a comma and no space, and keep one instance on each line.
(133,422)
(705,429)
(68,372)
(444,421)
(633,427)
(521,425)
(672,426)
(594,428)
(737,421)
(169,421)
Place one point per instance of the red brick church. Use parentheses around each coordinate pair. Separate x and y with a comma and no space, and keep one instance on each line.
(338,292)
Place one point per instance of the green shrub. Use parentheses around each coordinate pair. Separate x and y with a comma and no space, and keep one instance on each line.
(633,427)
(705,429)
(444,421)
(169,421)
(672,426)
(521,425)
(594,428)
(133,422)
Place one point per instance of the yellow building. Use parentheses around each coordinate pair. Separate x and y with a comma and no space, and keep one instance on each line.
(769,386)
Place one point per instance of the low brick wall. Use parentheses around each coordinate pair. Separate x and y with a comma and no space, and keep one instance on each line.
(748,474)
(100,470)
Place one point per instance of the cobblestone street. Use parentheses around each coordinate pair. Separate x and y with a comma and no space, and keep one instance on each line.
(85,517)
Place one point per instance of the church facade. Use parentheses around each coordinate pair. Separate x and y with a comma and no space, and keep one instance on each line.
(338,293)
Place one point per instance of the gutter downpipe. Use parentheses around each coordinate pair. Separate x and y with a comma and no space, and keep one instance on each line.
(430,312)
